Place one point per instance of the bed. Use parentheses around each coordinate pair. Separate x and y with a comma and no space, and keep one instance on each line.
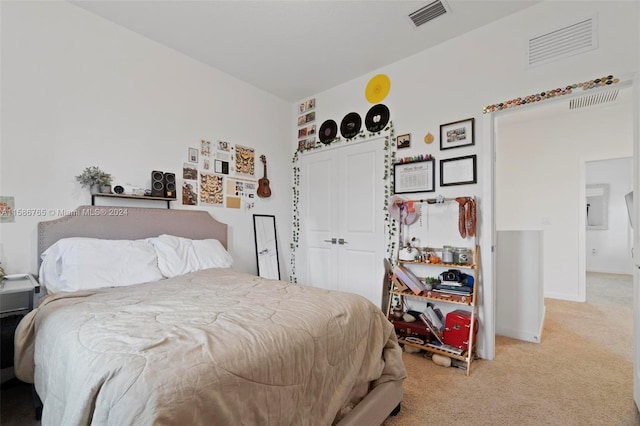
(210,346)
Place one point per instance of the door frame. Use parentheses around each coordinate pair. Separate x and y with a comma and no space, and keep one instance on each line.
(301,257)
(488,227)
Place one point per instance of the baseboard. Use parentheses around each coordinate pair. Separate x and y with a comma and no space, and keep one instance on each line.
(561,296)
(527,336)
(544,315)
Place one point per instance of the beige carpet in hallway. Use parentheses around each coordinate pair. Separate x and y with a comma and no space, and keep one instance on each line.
(580,373)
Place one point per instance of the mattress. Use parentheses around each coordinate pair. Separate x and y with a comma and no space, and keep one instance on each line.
(212,347)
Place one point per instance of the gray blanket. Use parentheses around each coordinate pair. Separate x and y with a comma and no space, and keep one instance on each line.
(212,347)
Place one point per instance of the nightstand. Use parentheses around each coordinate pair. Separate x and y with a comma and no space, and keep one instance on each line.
(17,295)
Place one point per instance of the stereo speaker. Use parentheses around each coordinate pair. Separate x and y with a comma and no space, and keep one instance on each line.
(157,184)
(170,185)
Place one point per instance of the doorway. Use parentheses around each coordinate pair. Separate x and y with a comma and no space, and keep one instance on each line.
(555,142)
(609,236)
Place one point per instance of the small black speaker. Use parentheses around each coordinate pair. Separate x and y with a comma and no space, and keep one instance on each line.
(170,185)
(157,184)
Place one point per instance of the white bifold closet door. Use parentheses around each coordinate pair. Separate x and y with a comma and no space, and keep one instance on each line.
(342,234)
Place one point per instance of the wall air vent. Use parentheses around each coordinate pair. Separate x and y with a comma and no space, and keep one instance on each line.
(578,37)
(429,12)
(593,99)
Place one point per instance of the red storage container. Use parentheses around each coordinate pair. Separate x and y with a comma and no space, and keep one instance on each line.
(411,329)
(456,331)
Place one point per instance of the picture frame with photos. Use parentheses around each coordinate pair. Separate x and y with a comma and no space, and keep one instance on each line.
(307,105)
(306,118)
(457,134)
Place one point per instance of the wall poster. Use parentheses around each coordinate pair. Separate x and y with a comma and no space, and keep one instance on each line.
(245,160)
(211,189)
(190,192)
(240,192)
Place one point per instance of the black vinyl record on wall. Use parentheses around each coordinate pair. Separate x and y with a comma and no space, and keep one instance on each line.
(377,118)
(350,125)
(328,132)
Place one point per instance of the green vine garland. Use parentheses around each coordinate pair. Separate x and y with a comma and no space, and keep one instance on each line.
(389,160)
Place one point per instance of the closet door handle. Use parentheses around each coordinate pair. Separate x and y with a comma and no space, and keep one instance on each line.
(341,241)
(332,241)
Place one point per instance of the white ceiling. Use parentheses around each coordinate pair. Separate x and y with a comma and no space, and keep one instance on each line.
(295,49)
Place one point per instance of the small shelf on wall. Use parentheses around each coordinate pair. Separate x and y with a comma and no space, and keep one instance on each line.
(132,197)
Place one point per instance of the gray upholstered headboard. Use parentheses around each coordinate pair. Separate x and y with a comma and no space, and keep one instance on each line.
(128,223)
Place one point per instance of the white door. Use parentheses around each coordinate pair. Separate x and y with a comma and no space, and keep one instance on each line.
(342,219)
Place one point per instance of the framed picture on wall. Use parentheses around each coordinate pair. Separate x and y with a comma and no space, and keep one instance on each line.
(418,176)
(193,155)
(458,171)
(307,105)
(457,134)
(403,141)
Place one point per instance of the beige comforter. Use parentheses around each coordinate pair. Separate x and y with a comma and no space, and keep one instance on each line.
(215,347)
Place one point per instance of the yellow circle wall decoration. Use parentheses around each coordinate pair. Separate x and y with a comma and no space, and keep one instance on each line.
(428,138)
(377,88)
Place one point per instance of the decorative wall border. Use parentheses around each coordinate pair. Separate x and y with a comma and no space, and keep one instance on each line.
(551,93)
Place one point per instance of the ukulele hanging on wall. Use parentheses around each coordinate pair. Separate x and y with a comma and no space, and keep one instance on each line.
(263,183)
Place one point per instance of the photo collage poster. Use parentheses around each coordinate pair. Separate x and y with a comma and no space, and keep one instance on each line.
(219,174)
(306,125)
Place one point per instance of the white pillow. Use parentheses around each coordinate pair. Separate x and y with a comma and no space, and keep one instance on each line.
(74,264)
(179,256)
(50,269)
(212,254)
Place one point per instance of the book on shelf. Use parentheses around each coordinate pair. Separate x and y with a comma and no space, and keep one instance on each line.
(433,318)
(461,288)
(409,279)
(451,283)
(447,348)
(465,291)
(435,331)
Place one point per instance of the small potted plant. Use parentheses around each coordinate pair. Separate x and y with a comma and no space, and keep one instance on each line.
(95,179)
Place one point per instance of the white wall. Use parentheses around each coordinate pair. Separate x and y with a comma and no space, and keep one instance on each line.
(519,300)
(456,79)
(78,90)
(540,182)
(609,250)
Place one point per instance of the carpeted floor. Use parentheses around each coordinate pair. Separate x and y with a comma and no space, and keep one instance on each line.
(580,373)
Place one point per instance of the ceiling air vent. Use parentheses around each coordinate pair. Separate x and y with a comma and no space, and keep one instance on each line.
(563,42)
(593,99)
(427,13)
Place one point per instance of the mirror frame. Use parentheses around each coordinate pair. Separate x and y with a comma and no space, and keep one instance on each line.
(260,249)
(599,194)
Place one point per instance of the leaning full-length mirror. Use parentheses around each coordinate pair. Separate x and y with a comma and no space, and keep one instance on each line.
(264,227)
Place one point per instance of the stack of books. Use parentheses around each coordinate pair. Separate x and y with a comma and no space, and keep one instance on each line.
(452,287)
